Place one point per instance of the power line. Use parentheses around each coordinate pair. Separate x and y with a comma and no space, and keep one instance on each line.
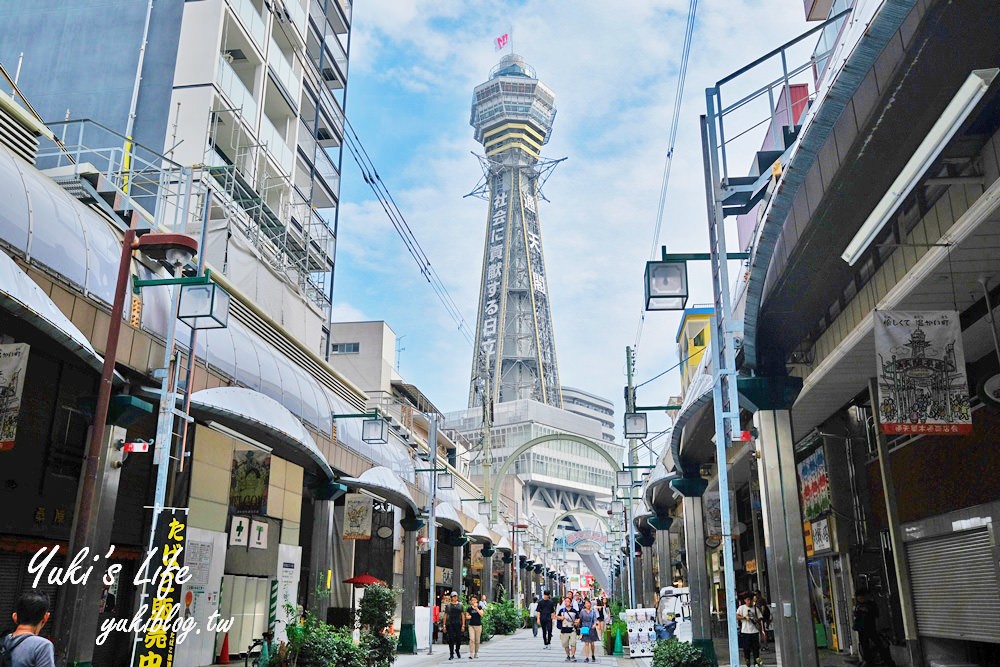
(674,123)
(370,175)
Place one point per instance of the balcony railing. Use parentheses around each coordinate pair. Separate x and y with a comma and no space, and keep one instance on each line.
(239,95)
(251,20)
(298,15)
(276,144)
(285,73)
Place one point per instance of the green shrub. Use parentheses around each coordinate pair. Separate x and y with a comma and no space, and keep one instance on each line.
(316,644)
(673,653)
(377,608)
(379,648)
(488,628)
(505,616)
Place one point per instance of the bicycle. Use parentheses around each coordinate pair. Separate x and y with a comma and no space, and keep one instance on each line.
(254,657)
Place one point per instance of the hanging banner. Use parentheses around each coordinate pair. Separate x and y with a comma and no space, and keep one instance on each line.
(815,485)
(158,641)
(248,482)
(13,365)
(922,384)
(357,517)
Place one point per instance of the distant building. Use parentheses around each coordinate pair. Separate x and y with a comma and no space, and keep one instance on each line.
(594,407)
(693,335)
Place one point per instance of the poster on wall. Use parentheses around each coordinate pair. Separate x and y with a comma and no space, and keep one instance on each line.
(815,485)
(922,384)
(13,365)
(248,482)
(357,517)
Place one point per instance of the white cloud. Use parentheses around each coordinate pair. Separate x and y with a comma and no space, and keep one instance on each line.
(613,68)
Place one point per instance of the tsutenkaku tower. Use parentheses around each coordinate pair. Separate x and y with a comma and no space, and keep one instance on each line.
(515,354)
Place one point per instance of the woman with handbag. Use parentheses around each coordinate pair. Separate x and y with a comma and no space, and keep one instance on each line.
(588,632)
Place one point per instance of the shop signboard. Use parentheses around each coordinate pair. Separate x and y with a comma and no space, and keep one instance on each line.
(821,537)
(815,485)
(157,645)
(258,535)
(357,517)
(239,532)
(249,481)
(13,364)
(922,384)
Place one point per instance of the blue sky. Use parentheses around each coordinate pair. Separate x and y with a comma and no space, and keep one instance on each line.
(613,68)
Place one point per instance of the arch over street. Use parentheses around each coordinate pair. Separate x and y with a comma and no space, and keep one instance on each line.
(568,513)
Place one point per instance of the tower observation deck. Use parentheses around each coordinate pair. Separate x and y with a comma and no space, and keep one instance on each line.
(515,356)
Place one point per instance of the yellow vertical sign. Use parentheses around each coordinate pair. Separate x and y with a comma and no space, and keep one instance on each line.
(807,532)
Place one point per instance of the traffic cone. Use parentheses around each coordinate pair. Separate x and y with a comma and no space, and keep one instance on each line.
(224,651)
(619,649)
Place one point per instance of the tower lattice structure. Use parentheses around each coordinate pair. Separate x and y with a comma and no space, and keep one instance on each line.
(515,355)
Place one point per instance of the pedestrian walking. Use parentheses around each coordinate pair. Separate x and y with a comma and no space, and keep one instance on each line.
(588,632)
(602,611)
(873,647)
(474,619)
(533,615)
(454,626)
(545,614)
(749,619)
(23,647)
(765,618)
(567,619)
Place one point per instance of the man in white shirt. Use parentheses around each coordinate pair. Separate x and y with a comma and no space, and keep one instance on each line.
(748,616)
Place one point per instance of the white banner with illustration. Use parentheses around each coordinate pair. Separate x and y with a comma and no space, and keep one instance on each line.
(922,384)
(357,516)
(13,365)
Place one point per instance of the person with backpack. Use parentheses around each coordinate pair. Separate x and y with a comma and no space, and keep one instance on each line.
(749,619)
(454,626)
(764,610)
(533,615)
(567,619)
(23,647)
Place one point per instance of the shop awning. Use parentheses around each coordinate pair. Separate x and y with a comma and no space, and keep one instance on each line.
(23,298)
(657,492)
(264,420)
(480,534)
(504,544)
(447,516)
(384,483)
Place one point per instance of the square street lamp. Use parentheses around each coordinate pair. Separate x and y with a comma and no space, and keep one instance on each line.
(204,306)
(635,426)
(373,431)
(624,479)
(484,509)
(666,285)
(446,481)
(617,507)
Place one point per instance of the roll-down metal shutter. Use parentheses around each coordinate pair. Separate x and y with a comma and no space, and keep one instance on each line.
(955,586)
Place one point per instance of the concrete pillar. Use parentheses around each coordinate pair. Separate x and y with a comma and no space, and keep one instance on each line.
(407,632)
(648,556)
(795,639)
(76,624)
(507,569)
(487,578)
(456,571)
(697,570)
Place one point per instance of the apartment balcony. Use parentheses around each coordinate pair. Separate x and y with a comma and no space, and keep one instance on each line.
(233,87)
(298,14)
(335,12)
(285,74)
(276,144)
(251,20)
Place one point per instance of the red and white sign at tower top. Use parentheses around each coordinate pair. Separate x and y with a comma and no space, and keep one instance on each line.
(501,41)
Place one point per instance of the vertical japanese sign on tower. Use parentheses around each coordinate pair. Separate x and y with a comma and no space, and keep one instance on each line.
(922,382)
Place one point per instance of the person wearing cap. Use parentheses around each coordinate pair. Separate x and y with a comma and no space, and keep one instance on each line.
(454,626)
(748,617)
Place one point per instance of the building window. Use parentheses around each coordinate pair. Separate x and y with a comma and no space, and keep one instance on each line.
(346,348)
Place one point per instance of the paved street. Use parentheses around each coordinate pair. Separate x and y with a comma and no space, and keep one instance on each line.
(517,650)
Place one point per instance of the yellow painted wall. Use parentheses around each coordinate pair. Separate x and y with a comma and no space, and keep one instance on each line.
(213,458)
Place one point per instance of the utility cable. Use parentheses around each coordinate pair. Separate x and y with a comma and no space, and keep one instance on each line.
(371,177)
(671,143)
